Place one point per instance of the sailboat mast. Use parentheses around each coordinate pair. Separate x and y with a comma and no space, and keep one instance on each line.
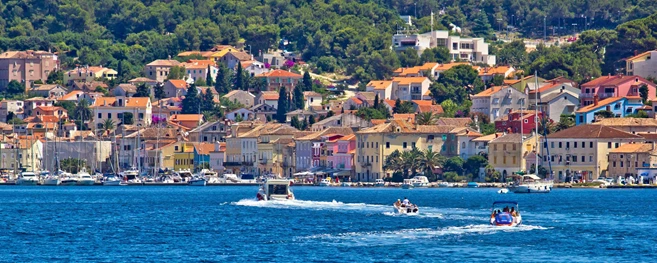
(157,139)
(536,98)
(138,143)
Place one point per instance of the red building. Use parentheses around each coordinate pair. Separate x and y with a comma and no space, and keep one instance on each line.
(511,123)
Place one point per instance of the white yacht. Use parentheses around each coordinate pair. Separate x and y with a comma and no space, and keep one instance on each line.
(112,181)
(275,189)
(27,178)
(410,209)
(131,176)
(420,181)
(445,184)
(379,183)
(85,178)
(530,184)
(197,181)
(49,179)
(67,179)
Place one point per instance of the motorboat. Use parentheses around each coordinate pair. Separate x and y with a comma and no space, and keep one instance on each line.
(85,178)
(67,179)
(503,191)
(410,209)
(379,183)
(247,178)
(408,184)
(420,181)
(445,184)
(197,181)
(112,181)
(502,215)
(530,184)
(131,176)
(345,184)
(275,189)
(473,184)
(27,178)
(325,182)
(229,178)
(49,179)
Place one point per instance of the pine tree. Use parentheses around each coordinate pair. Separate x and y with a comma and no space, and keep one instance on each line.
(298,100)
(307,81)
(159,91)
(120,70)
(239,77)
(207,100)
(376,101)
(191,102)
(304,125)
(295,122)
(208,77)
(142,91)
(311,120)
(397,106)
(222,80)
(282,105)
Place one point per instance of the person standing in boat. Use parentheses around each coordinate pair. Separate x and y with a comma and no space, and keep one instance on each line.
(405,202)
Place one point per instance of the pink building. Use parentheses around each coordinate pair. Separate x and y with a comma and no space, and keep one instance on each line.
(26,67)
(343,153)
(614,86)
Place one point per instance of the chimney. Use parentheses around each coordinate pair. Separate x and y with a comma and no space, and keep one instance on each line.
(217,146)
(609,75)
(595,99)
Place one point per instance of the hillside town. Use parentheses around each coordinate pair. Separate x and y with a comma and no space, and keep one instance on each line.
(232,111)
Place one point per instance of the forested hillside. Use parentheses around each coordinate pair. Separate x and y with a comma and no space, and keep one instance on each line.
(348,35)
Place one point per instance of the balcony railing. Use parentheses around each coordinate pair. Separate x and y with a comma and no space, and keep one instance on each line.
(586,95)
(247,163)
(367,164)
(232,164)
(607,95)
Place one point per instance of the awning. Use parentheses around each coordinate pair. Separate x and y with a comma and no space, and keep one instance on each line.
(342,173)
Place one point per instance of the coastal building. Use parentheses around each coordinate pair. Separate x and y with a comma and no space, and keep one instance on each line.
(614,106)
(190,121)
(409,88)
(581,152)
(498,101)
(277,78)
(269,153)
(202,153)
(89,74)
(466,145)
(243,97)
(642,65)
(29,105)
(513,152)
(240,114)
(47,90)
(346,120)
(263,112)
(233,58)
(210,132)
(374,144)
(116,109)
(217,157)
(254,68)
(124,90)
(11,107)
(630,125)
(460,48)
(183,156)
(488,73)
(312,99)
(198,69)
(159,69)
(520,120)
(26,67)
(175,88)
(606,87)
(267,97)
(307,148)
(626,160)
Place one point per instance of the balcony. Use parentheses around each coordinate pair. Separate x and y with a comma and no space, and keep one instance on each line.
(607,95)
(247,163)
(263,160)
(586,95)
(367,164)
(233,164)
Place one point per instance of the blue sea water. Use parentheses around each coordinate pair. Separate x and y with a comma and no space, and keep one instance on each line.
(226,224)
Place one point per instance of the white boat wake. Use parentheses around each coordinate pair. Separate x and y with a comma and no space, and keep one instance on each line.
(404,235)
(313,205)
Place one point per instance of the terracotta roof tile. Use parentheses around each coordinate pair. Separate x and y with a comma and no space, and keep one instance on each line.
(593,131)
(634,148)
(409,80)
(601,103)
(488,92)
(178,83)
(277,73)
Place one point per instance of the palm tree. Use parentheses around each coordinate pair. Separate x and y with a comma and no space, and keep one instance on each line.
(108,125)
(72,165)
(426,118)
(428,160)
(409,160)
(393,162)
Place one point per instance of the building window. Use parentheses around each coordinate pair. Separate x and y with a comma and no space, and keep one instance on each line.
(613,164)
(567,145)
(616,145)
(609,145)
(404,145)
(100,115)
(387,145)
(560,145)
(583,158)
(591,145)
(109,115)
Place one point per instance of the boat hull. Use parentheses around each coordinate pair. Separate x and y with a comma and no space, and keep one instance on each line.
(407,186)
(197,182)
(532,189)
(51,182)
(406,210)
(68,182)
(112,183)
(516,221)
(26,182)
(86,182)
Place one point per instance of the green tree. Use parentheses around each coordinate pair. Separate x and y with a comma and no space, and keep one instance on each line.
(376,101)
(436,55)
(208,78)
(207,101)
(282,105)
(239,77)
(481,27)
(311,120)
(222,82)
(498,80)
(403,107)
(200,82)
(565,121)
(473,163)
(449,108)
(428,160)
(128,118)
(409,58)
(82,111)
(238,118)
(454,164)
(158,89)
(14,87)
(108,126)
(513,53)
(294,122)
(426,118)
(307,82)
(643,91)
(142,91)
(176,72)
(191,103)
(55,77)
(73,165)
(298,101)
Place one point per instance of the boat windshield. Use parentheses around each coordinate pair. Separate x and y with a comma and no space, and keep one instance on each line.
(278,189)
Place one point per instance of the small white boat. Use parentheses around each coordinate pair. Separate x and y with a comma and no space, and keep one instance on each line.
(346,184)
(325,182)
(49,179)
(112,181)
(197,181)
(379,183)
(530,184)
(27,178)
(420,181)
(85,178)
(131,177)
(408,184)
(406,210)
(275,189)
(503,191)
(502,215)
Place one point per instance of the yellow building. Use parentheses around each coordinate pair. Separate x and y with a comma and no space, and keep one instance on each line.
(507,155)
(183,156)
(582,152)
(216,56)
(162,157)
(374,144)
(267,147)
(89,74)
(234,155)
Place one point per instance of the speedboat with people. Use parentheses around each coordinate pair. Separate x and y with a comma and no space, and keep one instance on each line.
(503,215)
(27,178)
(275,189)
(530,184)
(405,207)
(420,181)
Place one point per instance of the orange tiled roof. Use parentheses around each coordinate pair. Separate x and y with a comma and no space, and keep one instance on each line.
(186,117)
(356,100)
(178,83)
(498,70)
(379,84)
(50,108)
(71,95)
(269,95)
(104,101)
(408,80)
(409,117)
(601,103)
(391,103)
(488,92)
(423,102)
(639,55)
(377,121)
(277,73)
(137,102)
(447,66)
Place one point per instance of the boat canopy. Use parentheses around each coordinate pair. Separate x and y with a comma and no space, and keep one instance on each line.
(505,202)
(531,176)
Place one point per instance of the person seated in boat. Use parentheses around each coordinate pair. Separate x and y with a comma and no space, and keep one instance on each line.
(405,202)
(493,214)
(513,211)
(398,203)
(506,209)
